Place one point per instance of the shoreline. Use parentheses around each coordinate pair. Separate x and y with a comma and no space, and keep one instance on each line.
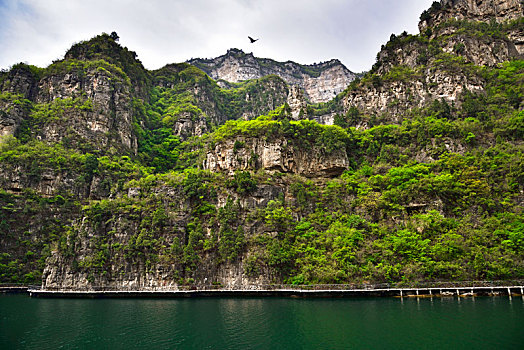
(510,290)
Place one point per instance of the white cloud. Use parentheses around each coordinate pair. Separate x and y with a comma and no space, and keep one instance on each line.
(163,31)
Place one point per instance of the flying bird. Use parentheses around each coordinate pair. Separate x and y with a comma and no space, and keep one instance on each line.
(252,40)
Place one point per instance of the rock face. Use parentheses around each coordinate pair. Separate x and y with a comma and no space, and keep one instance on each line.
(200,103)
(11,115)
(484,51)
(83,101)
(47,182)
(486,11)
(135,275)
(444,19)
(277,155)
(472,10)
(124,267)
(443,61)
(17,88)
(395,97)
(103,115)
(320,82)
(296,102)
(20,80)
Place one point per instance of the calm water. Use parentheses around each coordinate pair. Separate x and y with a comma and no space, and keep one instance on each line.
(262,323)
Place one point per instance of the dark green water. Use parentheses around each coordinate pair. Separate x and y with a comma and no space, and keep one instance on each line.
(261,323)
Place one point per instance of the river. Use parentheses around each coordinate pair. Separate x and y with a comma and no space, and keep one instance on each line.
(262,323)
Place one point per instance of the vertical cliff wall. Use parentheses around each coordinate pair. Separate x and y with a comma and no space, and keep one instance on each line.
(320,82)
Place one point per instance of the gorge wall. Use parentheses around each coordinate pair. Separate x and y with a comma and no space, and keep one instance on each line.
(442,62)
(275,155)
(320,82)
(114,176)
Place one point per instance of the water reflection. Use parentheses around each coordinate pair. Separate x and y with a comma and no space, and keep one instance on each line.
(251,323)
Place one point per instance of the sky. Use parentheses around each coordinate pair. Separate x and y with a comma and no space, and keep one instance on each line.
(170,31)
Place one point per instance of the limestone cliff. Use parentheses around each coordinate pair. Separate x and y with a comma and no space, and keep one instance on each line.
(101,114)
(443,62)
(165,263)
(113,176)
(320,82)
(195,103)
(21,79)
(13,110)
(275,155)
(392,98)
(506,13)
(471,10)
(85,102)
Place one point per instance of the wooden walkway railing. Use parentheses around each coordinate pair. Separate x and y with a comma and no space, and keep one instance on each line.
(277,287)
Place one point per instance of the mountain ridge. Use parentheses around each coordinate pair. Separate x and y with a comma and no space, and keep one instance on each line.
(320,82)
(114,176)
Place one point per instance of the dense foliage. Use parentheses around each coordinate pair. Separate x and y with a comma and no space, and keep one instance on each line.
(436,196)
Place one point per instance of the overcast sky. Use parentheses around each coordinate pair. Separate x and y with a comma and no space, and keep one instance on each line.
(167,31)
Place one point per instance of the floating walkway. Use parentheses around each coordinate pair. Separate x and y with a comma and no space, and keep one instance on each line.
(285,292)
(13,288)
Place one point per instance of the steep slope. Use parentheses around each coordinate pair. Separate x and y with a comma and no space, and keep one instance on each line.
(191,104)
(421,179)
(471,10)
(84,100)
(320,82)
(446,61)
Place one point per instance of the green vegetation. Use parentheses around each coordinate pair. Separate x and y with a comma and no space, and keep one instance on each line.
(30,244)
(105,47)
(82,68)
(55,109)
(436,195)
(304,133)
(427,14)
(185,97)
(175,96)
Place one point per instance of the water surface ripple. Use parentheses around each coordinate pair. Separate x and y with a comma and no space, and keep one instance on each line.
(262,323)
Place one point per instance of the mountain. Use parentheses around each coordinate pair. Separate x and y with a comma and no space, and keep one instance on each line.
(114,176)
(320,82)
(441,63)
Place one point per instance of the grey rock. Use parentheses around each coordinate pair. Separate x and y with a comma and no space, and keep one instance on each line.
(320,82)
(277,155)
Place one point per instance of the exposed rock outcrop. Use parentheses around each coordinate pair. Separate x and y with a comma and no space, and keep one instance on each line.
(121,266)
(482,51)
(394,98)
(11,114)
(278,155)
(443,61)
(320,82)
(296,102)
(103,115)
(20,80)
(472,10)
(84,100)
(136,275)
(17,87)
(16,178)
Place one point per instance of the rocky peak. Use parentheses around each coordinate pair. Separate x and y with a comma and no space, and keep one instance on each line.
(106,47)
(21,79)
(84,100)
(472,10)
(320,82)
(442,63)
